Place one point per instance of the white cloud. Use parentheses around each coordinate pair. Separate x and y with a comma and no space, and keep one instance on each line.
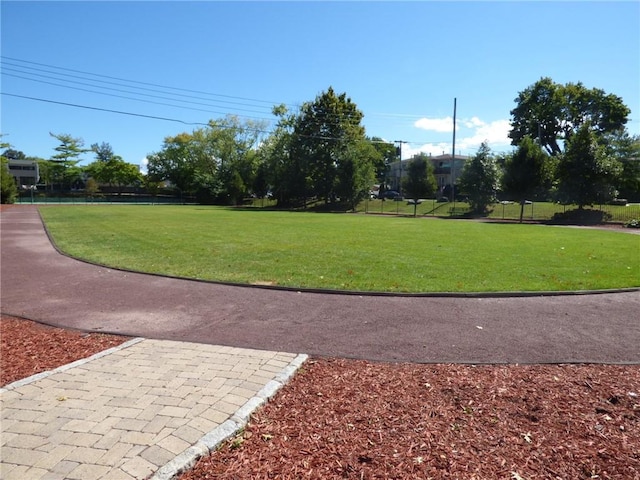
(441,125)
(470,132)
(433,149)
(496,134)
(473,123)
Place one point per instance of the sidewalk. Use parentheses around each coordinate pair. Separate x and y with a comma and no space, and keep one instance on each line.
(147,408)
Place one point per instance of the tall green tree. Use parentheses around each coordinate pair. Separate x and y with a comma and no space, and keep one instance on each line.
(420,181)
(103,151)
(325,132)
(217,163)
(175,163)
(284,172)
(552,113)
(12,154)
(479,179)
(388,154)
(356,172)
(626,149)
(526,173)
(586,172)
(111,169)
(8,188)
(64,168)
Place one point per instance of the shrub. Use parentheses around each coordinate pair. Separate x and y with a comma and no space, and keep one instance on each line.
(635,223)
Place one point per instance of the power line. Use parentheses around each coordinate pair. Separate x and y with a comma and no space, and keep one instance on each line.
(138,82)
(49,77)
(134,82)
(327,117)
(125,97)
(103,109)
(175,120)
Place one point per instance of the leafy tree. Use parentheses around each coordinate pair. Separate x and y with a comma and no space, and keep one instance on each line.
(103,151)
(479,179)
(586,172)
(63,168)
(91,188)
(388,155)
(11,154)
(526,173)
(175,163)
(231,145)
(325,132)
(285,173)
(420,181)
(218,163)
(356,172)
(8,188)
(626,149)
(112,169)
(552,113)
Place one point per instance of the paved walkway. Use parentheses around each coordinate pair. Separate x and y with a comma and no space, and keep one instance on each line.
(148,407)
(153,405)
(38,283)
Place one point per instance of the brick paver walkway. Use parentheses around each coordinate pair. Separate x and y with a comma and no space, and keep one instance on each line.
(129,413)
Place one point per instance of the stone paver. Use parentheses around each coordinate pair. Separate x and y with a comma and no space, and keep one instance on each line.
(148,407)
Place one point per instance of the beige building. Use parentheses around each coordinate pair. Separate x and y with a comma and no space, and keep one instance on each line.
(442,168)
(25,172)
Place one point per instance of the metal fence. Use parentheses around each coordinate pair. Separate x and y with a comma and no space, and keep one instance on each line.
(533,211)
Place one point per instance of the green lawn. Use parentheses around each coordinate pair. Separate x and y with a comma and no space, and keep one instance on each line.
(345,251)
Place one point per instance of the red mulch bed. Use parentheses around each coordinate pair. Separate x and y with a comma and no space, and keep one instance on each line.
(27,348)
(354,419)
(359,420)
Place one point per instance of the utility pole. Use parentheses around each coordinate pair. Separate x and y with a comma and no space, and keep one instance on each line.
(453,158)
(399,152)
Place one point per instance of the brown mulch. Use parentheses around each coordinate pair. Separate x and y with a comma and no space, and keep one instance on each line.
(27,348)
(355,419)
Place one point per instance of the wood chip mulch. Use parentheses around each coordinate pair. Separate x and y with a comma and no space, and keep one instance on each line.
(353,419)
(27,348)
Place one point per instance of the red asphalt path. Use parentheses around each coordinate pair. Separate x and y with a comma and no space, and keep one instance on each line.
(39,283)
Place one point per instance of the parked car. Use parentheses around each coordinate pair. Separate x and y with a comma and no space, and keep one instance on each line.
(391,195)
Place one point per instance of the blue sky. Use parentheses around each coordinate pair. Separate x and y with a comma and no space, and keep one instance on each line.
(402,63)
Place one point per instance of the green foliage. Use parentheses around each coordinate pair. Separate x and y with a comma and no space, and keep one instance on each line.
(526,173)
(586,173)
(337,251)
(388,155)
(553,113)
(282,172)
(420,181)
(103,151)
(218,162)
(324,144)
(8,189)
(635,223)
(625,149)
(114,171)
(355,173)
(91,188)
(62,168)
(12,154)
(479,180)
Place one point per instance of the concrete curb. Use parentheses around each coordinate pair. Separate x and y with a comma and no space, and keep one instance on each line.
(62,368)
(210,442)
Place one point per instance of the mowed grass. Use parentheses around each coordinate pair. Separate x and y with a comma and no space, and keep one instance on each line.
(345,251)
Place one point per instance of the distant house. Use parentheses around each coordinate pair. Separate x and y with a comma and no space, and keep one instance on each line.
(441,168)
(25,172)
(445,178)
